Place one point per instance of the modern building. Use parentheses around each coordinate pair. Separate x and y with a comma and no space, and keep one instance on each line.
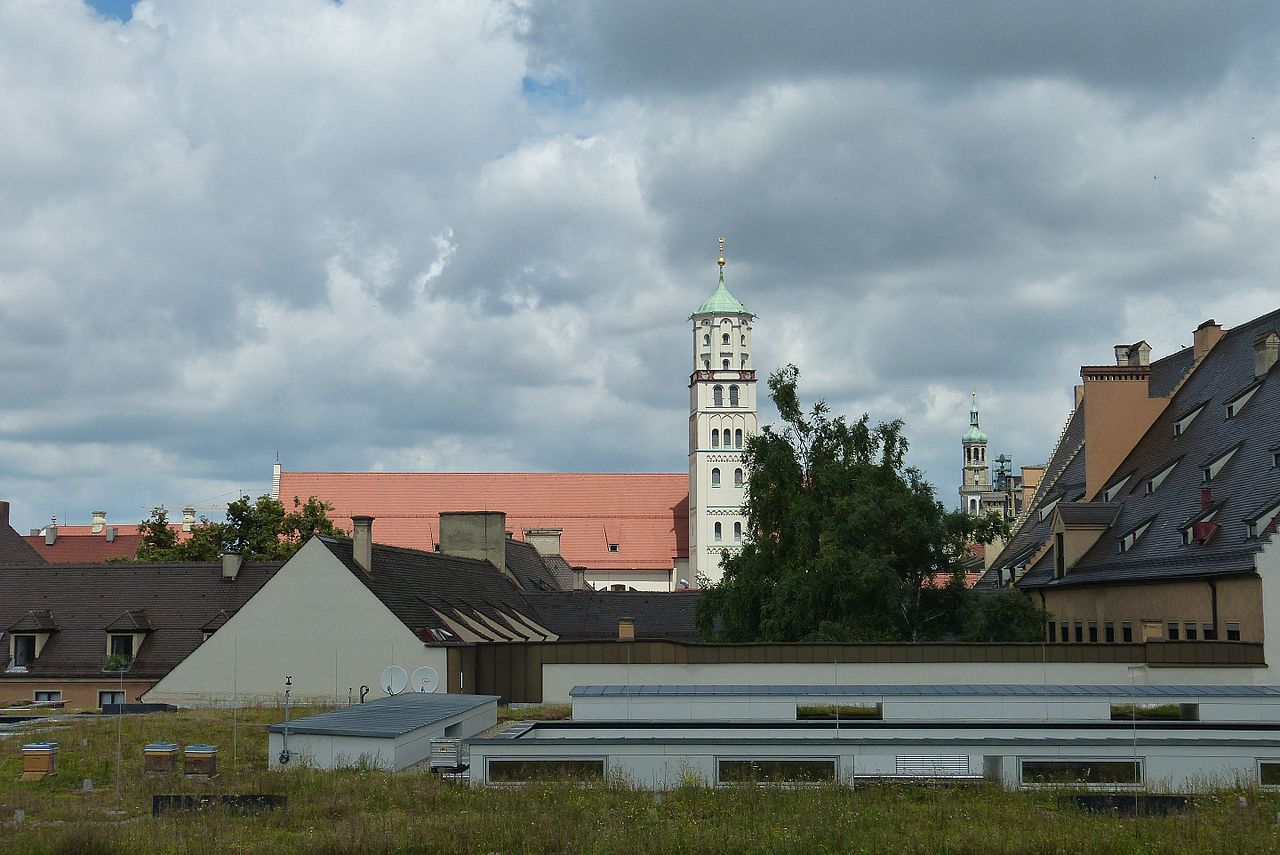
(1158,509)
(722,416)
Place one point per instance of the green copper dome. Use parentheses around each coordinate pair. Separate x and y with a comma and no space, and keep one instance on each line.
(722,302)
(974,434)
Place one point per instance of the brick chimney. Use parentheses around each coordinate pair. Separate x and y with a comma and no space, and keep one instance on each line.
(1206,336)
(362,542)
(1266,348)
(1118,409)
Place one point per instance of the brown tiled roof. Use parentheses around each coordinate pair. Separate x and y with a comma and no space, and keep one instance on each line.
(34,621)
(136,620)
(646,515)
(84,599)
(84,548)
(13,548)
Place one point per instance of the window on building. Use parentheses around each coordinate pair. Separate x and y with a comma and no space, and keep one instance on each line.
(1236,404)
(733,396)
(706,341)
(1209,632)
(717,396)
(715,477)
(1093,631)
(1064,632)
(1110,494)
(1079,627)
(1131,539)
(1081,772)
(1269,773)
(1047,508)
(706,363)
(1126,632)
(24,651)
(1157,479)
(1275,458)
(1109,631)
(737,477)
(1233,630)
(737,531)
(724,338)
(737,438)
(1210,470)
(744,341)
(107,699)
(725,364)
(548,769)
(1265,522)
(1189,630)
(1059,555)
(719,533)
(772,770)
(1181,425)
(122,645)
(613,547)
(47,696)
(715,438)
(1171,630)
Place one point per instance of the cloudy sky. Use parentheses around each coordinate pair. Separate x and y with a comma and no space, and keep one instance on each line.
(432,235)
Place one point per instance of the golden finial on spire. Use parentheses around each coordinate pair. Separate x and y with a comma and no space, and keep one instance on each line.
(721,259)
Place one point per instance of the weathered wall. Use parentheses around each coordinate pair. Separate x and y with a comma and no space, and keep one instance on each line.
(77,694)
(1239,599)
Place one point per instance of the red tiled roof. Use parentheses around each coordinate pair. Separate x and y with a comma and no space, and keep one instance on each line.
(647,515)
(84,548)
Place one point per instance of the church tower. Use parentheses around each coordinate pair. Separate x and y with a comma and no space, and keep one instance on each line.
(722,415)
(976,484)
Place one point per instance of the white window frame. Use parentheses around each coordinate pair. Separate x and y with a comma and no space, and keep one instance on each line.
(1214,467)
(1111,492)
(1259,524)
(1154,482)
(1180,426)
(1236,404)
(1047,510)
(1131,538)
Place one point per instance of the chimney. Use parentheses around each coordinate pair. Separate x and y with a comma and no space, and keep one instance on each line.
(111,533)
(1118,409)
(1079,395)
(188,518)
(1206,497)
(626,629)
(1266,348)
(99,521)
(362,542)
(231,561)
(579,579)
(545,540)
(1133,355)
(4,514)
(1206,336)
(51,532)
(481,535)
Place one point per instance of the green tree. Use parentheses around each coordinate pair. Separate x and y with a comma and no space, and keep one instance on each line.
(260,529)
(846,542)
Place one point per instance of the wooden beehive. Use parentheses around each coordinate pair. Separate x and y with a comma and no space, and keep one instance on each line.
(38,760)
(160,758)
(200,760)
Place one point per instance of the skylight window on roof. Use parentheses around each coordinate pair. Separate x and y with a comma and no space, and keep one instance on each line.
(1211,469)
(1236,404)
(1131,539)
(1266,522)
(1180,426)
(1158,478)
(1109,494)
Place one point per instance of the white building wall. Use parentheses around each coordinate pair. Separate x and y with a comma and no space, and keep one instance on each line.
(313,621)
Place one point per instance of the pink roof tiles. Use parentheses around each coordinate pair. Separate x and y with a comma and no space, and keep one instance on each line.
(646,515)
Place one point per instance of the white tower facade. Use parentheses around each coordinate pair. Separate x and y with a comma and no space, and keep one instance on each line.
(722,415)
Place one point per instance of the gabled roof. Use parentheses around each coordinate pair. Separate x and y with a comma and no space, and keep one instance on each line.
(178,599)
(1245,481)
(1090,514)
(531,569)
(430,592)
(34,621)
(645,515)
(86,548)
(14,549)
(581,615)
(136,620)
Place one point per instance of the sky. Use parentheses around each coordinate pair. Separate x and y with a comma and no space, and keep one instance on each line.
(433,235)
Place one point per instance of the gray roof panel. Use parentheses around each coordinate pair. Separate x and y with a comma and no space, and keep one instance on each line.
(387,717)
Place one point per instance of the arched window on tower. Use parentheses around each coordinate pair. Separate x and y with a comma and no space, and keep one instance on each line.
(715,477)
(724,338)
(717,396)
(737,531)
(737,477)
(733,395)
(706,364)
(737,438)
(715,438)
(706,341)
(725,364)
(968,454)
(719,535)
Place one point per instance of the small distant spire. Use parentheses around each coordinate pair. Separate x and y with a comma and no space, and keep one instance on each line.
(720,261)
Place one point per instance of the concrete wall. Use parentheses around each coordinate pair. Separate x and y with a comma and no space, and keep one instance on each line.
(1239,599)
(314,621)
(481,535)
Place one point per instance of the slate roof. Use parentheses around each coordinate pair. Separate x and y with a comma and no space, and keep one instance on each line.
(432,592)
(531,569)
(1087,513)
(646,515)
(1240,487)
(583,615)
(13,548)
(83,600)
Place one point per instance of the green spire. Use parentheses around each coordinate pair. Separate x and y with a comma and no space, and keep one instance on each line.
(974,434)
(721,302)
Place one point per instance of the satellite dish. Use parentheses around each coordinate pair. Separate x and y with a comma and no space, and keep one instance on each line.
(425,679)
(393,679)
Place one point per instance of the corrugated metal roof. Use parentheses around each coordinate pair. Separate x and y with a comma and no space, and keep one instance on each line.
(387,717)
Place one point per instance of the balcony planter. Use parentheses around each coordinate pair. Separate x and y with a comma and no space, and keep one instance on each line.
(116,663)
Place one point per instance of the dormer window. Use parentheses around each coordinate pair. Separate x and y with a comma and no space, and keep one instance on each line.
(1201,530)
(1131,539)
(1157,479)
(1046,511)
(1210,470)
(613,547)
(1265,522)
(1109,494)
(1236,404)
(27,637)
(1275,458)
(1180,426)
(23,652)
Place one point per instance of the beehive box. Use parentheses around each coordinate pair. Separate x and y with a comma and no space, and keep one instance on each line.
(200,760)
(160,758)
(38,760)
